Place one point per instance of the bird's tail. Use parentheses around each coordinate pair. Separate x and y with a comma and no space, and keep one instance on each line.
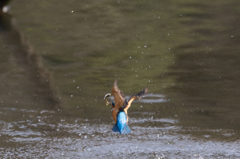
(126,129)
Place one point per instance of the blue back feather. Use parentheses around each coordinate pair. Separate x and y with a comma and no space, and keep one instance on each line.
(121,125)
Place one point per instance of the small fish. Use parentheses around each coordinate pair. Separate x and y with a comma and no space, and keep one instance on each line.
(120,107)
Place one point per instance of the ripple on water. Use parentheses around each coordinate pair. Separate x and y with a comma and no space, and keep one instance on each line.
(92,139)
(149,98)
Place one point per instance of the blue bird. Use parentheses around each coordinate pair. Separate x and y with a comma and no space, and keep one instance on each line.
(120,107)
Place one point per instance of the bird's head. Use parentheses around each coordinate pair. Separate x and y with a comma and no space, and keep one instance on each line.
(108,103)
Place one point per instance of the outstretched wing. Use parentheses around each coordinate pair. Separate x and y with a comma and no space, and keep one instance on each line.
(118,96)
(138,95)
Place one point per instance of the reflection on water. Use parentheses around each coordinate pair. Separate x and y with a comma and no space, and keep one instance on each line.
(51,87)
(22,73)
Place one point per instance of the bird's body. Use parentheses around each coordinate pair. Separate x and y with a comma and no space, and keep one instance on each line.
(121,124)
(120,107)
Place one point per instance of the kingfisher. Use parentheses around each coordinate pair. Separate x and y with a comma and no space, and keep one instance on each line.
(120,107)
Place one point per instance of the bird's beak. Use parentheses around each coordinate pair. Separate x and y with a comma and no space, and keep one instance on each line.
(105,98)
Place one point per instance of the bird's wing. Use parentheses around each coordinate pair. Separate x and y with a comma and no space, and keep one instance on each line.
(138,95)
(118,96)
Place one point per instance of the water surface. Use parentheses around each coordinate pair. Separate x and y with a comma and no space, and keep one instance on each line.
(58,59)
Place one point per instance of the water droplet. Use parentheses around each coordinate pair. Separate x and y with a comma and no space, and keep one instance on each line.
(5,9)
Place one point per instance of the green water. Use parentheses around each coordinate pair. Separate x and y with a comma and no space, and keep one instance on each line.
(59,58)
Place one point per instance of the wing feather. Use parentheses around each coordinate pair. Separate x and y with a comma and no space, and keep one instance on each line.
(138,95)
(118,96)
